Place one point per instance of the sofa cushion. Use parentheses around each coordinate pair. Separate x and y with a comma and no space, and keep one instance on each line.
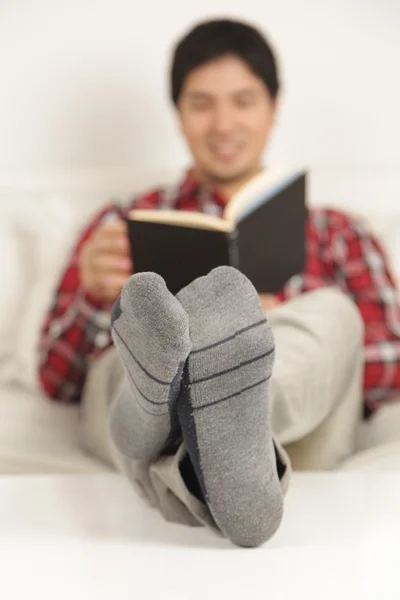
(12,292)
(38,436)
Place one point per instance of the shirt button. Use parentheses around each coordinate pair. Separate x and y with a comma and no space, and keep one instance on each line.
(103,319)
(102,339)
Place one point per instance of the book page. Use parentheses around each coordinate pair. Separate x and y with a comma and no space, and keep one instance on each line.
(195,220)
(260,189)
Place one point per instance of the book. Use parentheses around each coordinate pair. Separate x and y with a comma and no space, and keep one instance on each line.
(261,233)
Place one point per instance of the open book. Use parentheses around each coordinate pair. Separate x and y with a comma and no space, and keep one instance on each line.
(261,233)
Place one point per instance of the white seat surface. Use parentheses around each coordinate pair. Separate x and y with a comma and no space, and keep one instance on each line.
(90,537)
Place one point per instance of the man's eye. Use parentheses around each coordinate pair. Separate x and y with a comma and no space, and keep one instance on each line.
(245,102)
(200,106)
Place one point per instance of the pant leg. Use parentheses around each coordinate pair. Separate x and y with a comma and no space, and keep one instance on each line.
(316,387)
(161,483)
(315,399)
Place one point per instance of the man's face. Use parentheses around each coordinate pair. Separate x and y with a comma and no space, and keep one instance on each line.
(226,114)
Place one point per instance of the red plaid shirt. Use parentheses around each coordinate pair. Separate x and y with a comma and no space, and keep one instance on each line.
(340,252)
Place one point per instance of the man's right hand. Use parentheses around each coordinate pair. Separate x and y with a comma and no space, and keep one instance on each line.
(105,263)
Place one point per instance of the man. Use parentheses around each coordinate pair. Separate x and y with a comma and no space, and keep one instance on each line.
(203,415)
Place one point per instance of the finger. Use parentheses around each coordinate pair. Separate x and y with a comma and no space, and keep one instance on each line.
(113,244)
(112,263)
(117,226)
(265,301)
(113,284)
(116,280)
(113,228)
(269,304)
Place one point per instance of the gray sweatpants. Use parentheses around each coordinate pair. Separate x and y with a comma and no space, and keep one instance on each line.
(315,401)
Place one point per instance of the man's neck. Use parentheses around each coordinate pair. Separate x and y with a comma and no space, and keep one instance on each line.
(226,189)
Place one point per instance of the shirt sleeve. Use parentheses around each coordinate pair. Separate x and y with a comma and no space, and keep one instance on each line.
(363,272)
(76,329)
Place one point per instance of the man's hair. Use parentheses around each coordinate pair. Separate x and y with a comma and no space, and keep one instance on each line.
(218,38)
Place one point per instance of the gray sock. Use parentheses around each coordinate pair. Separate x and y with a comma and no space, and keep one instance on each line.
(151,333)
(223,405)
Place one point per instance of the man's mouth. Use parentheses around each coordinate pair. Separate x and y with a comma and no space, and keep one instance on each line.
(225,151)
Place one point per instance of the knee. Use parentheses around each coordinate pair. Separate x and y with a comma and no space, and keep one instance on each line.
(345,311)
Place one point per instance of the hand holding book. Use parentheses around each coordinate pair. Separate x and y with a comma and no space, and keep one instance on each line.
(105,262)
(262,233)
(268,301)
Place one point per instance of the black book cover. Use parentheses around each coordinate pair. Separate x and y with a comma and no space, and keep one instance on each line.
(268,245)
(178,254)
(271,240)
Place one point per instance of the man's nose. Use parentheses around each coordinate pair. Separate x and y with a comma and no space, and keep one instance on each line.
(223,118)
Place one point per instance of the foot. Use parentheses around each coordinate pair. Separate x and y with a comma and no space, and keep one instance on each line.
(223,406)
(151,334)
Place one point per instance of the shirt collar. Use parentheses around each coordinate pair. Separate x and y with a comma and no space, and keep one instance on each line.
(191,187)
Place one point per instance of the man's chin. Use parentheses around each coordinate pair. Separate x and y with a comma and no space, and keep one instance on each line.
(227,174)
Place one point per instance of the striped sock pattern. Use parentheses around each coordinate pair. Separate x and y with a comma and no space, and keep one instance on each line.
(223,405)
(151,333)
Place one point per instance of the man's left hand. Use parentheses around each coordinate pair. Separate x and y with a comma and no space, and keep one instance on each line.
(268,301)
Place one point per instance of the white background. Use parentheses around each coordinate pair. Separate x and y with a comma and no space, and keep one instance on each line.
(84,87)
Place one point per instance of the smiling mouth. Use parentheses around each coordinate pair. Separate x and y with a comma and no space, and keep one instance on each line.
(225,152)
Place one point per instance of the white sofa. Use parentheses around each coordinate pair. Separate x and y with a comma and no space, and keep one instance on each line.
(40,216)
